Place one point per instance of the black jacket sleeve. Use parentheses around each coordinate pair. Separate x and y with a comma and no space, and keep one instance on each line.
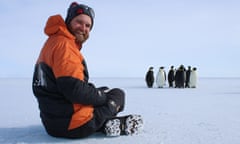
(81,92)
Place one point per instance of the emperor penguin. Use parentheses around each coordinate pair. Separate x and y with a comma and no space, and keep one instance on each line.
(171,76)
(149,78)
(180,77)
(193,78)
(161,78)
(188,72)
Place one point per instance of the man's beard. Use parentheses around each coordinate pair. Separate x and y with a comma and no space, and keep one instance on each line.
(81,37)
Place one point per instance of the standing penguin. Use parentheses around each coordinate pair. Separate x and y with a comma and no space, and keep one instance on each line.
(149,78)
(193,78)
(161,78)
(180,77)
(188,72)
(171,75)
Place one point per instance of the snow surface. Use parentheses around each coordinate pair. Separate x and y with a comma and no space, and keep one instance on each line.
(208,114)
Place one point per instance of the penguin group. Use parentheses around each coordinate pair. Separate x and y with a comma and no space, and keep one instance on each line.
(176,78)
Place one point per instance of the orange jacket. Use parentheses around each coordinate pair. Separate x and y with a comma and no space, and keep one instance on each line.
(60,81)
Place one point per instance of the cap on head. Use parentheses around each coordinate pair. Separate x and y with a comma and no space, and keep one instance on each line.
(76,9)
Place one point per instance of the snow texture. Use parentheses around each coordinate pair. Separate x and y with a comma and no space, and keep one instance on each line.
(208,114)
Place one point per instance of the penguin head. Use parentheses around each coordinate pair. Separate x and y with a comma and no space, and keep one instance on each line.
(151,68)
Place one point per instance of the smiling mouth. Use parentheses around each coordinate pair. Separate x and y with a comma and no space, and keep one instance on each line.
(80,34)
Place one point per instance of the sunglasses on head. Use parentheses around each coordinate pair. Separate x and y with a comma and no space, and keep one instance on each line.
(85,9)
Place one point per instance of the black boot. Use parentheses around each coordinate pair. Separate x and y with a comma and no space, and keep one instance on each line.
(125,125)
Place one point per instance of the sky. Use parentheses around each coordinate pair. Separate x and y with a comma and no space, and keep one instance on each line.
(130,36)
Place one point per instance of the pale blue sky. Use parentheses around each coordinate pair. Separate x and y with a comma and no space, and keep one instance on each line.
(130,35)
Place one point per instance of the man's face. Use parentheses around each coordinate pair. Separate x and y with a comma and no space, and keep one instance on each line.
(80,27)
